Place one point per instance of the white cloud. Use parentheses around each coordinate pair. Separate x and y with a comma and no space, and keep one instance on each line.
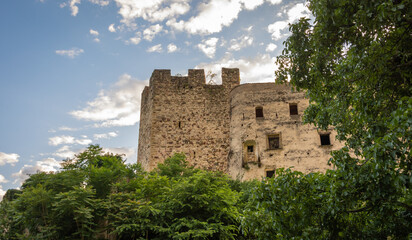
(100,2)
(279,29)
(153,10)
(111,28)
(73,7)
(271,47)
(129,153)
(150,33)
(208,47)
(171,48)
(298,11)
(71,53)
(8,158)
(274,1)
(261,68)
(3,179)
(58,140)
(84,141)
(96,40)
(135,40)
(2,192)
(251,4)
(241,42)
(118,106)
(155,48)
(104,135)
(45,165)
(213,16)
(54,141)
(65,128)
(94,32)
(64,152)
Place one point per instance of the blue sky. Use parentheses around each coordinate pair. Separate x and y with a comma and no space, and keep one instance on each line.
(72,71)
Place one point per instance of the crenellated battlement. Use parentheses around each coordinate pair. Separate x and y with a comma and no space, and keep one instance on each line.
(195,78)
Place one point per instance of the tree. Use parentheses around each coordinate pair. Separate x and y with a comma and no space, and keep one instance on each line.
(355,63)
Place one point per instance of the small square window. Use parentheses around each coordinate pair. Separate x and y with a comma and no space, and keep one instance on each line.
(293,109)
(250,149)
(259,112)
(325,139)
(274,141)
(270,173)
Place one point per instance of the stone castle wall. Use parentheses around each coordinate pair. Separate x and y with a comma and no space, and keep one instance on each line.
(184,114)
(299,145)
(218,128)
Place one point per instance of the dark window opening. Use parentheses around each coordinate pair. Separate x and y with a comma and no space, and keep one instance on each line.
(293,108)
(249,149)
(274,142)
(325,139)
(270,173)
(180,124)
(259,112)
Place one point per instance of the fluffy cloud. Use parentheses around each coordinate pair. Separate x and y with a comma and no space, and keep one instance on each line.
(104,135)
(213,16)
(129,153)
(155,48)
(153,11)
(54,141)
(8,158)
(58,140)
(118,106)
(71,53)
(111,28)
(251,4)
(171,48)
(2,192)
(150,33)
(243,41)
(258,69)
(135,40)
(3,179)
(100,2)
(279,29)
(45,165)
(94,32)
(208,47)
(271,47)
(73,7)
(64,152)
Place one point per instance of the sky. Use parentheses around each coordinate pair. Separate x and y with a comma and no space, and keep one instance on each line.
(72,71)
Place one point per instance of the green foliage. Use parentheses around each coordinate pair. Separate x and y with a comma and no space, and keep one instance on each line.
(98,196)
(354,61)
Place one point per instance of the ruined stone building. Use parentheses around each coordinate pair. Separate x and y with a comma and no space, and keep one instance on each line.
(245,130)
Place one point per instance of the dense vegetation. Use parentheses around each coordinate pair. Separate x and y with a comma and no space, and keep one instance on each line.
(354,61)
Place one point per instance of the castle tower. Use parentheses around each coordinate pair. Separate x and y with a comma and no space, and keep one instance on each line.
(184,114)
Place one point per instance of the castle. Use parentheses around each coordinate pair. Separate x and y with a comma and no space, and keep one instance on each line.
(245,130)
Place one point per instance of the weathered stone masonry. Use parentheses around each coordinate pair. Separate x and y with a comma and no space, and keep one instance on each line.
(245,130)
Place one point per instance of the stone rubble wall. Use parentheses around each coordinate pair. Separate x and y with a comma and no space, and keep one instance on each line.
(300,144)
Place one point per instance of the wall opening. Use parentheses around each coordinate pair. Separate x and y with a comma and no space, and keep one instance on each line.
(325,139)
(250,149)
(259,112)
(274,141)
(180,124)
(293,109)
(270,173)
